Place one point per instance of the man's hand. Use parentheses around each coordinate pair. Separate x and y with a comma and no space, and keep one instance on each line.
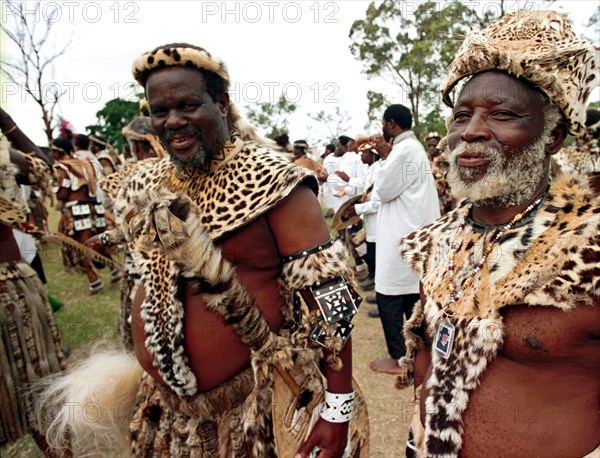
(94,243)
(343,175)
(340,192)
(330,438)
(382,147)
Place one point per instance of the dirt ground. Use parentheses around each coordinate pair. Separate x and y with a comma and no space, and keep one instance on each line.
(390,409)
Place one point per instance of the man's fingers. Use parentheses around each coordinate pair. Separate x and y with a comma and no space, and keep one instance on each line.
(306,448)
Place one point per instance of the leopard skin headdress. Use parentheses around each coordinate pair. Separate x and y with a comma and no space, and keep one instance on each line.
(539,47)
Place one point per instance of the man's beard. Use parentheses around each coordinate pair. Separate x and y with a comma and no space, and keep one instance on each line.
(198,160)
(507,181)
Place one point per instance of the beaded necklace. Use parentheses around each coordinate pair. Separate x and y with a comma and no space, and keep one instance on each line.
(445,331)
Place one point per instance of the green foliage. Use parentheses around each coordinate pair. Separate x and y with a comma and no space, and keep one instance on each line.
(112,118)
(411,44)
(377,102)
(434,121)
(272,117)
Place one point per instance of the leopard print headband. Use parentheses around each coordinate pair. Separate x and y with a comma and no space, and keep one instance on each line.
(178,54)
(537,46)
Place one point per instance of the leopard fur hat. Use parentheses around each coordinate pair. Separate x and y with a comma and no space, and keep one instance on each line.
(539,47)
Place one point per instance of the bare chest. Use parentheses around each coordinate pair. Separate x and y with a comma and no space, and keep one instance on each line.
(546,335)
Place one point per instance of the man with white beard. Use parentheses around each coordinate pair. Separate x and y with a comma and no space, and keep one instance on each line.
(504,347)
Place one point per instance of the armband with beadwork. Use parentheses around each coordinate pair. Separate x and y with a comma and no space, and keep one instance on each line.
(323,272)
(338,407)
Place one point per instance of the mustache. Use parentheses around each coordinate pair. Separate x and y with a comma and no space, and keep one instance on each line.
(480,149)
(189,131)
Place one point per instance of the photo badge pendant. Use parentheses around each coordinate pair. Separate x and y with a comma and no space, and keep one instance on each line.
(444,339)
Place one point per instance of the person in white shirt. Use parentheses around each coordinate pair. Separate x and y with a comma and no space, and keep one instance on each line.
(331,163)
(368,209)
(348,165)
(409,201)
(351,182)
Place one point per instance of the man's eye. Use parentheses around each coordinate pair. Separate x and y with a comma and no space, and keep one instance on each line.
(504,115)
(460,115)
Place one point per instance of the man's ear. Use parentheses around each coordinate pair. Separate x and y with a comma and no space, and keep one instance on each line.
(224,103)
(557,138)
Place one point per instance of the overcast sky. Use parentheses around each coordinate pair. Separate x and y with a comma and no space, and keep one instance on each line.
(300,48)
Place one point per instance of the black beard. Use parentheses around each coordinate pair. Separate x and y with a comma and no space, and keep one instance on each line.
(198,160)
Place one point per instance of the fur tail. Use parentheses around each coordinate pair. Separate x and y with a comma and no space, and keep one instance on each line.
(89,408)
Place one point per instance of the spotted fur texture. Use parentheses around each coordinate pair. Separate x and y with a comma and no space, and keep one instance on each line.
(167,246)
(583,156)
(248,183)
(540,47)
(552,260)
(182,56)
(13,207)
(171,221)
(112,184)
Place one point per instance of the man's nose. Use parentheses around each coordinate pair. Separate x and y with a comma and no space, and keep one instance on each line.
(476,129)
(174,120)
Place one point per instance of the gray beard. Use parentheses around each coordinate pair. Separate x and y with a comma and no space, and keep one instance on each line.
(507,182)
(198,160)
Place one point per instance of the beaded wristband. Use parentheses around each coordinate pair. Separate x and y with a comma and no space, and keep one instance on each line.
(338,407)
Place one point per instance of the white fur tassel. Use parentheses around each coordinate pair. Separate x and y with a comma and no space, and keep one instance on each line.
(91,405)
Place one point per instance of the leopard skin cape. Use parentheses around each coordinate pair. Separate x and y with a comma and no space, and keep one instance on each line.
(551,259)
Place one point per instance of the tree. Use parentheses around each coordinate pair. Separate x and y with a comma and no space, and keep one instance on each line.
(335,124)
(376,103)
(112,118)
(411,44)
(33,68)
(272,117)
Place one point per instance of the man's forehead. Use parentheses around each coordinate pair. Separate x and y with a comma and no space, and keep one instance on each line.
(496,87)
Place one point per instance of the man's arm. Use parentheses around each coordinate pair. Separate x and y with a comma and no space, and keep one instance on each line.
(298,224)
(367,207)
(18,139)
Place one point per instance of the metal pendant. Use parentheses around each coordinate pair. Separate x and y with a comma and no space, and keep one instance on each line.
(444,339)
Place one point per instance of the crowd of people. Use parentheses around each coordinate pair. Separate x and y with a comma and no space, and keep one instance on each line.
(245,260)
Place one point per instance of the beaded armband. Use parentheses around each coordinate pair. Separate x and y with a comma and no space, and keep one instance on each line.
(338,303)
(338,407)
(322,271)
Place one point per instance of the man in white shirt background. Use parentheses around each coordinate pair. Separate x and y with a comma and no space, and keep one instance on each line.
(369,208)
(408,201)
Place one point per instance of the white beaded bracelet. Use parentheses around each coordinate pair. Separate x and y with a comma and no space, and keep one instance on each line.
(338,407)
